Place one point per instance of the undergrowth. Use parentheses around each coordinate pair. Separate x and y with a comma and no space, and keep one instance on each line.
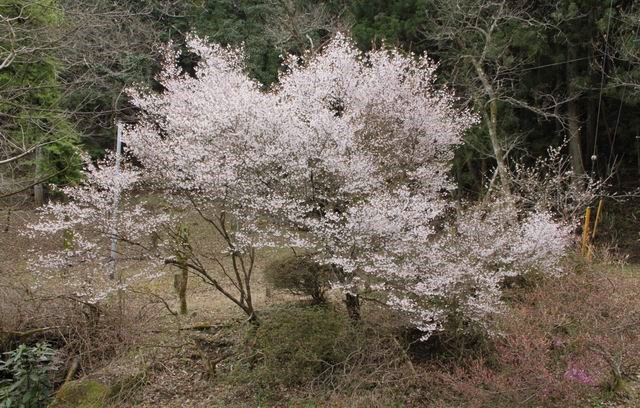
(567,342)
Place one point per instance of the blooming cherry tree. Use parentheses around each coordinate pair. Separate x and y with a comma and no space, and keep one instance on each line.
(460,274)
(346,157)
(369,172)
(87,224)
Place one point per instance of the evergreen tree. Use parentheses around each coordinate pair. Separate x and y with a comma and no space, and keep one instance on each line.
(33,124)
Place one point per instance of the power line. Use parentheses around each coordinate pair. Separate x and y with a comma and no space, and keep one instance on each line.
(553,64)
(615,129)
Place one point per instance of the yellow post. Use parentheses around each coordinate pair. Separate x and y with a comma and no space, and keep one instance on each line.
(598,217)
(585,232)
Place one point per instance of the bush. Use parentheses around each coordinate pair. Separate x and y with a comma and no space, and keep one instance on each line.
(458,340)
(568,343)
(28,370)
(297,345)
(300,352)
(301,275)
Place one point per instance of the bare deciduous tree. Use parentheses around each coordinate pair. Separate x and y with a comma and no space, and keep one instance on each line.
(296,24)
(481,42)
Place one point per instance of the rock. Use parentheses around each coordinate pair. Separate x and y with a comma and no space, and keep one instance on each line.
(81,394)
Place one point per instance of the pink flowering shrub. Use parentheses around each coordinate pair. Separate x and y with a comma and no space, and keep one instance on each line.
(579,375)
(557,347)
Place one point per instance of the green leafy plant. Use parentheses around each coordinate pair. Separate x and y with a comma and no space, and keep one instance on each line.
(27,377)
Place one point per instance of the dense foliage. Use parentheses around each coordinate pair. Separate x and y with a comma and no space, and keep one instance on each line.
(32,119)
(29,381)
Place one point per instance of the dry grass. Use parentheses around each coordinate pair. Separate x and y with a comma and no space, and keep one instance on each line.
(573,341)
(569,342)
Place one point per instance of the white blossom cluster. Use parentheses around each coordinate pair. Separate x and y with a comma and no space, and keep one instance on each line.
(550,184)
(85,225)
(462,270)
(347,157)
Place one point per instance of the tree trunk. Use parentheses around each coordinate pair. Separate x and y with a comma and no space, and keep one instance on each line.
(180,279)
(353,306)
(38,190)
(491,121)
(483,172)
(590,127)
(154,239)
(8,223)
(638,152)
(492,124)
(575,142)
(573,117)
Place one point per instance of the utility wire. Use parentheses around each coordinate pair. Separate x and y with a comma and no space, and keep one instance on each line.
(604,61)
(553,64)
(624,94)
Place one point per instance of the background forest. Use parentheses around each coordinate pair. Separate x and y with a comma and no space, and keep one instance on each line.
(539,72)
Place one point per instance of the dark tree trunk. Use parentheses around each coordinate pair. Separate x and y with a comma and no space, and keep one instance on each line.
(590,126)
(181,277)
(353,306)
(38,189)
(573,116)
(8,223)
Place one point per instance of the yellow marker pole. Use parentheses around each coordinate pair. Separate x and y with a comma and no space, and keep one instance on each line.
(585,232)
(598,217)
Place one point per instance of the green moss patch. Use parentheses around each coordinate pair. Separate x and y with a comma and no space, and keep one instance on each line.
(81,394)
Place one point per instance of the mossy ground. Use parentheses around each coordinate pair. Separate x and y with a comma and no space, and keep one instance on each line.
(81,394)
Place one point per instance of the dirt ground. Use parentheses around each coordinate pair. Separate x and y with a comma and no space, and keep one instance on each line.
(165,360)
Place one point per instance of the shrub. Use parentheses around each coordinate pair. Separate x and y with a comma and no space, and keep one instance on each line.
(297,345)
(458,340)
(568,343)
(300,352)
(28,370)
(461,272)
(550,184)
(301,275)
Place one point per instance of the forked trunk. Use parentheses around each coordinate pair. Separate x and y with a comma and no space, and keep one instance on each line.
(491,121)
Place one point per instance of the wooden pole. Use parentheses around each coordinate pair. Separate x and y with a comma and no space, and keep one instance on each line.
(598,218)
(116,203)
(585,232)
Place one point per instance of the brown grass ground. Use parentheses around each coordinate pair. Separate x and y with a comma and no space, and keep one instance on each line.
(568,342)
